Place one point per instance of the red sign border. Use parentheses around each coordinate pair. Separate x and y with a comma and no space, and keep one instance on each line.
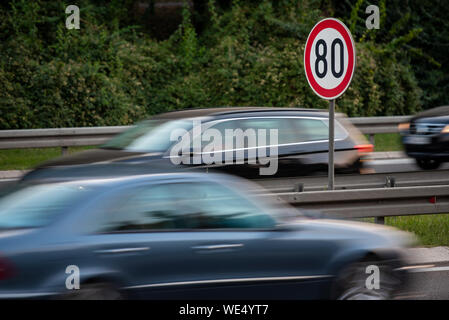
(340,27)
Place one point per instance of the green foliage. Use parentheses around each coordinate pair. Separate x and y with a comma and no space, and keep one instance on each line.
(249,53)
(24,159)
(415,31)
(430,230)
(62,78)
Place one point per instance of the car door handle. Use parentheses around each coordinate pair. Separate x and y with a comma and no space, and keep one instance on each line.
(123,250)
(218,246)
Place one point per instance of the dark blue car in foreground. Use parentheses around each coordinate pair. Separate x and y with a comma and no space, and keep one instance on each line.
(184,236)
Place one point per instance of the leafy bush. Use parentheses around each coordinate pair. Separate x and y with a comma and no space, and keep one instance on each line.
(110,73)
(416,32)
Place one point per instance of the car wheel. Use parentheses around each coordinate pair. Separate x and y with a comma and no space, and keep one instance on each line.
(351,282)
(428,164)
(94,291)
(352,168)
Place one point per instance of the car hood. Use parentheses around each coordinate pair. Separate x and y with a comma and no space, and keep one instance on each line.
(353,230)
(433,115)
(439,120)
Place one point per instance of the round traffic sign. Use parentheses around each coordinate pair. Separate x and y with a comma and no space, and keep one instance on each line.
(329,58)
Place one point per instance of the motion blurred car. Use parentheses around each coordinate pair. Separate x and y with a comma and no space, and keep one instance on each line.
(184,236)
(302,141)
(426,137)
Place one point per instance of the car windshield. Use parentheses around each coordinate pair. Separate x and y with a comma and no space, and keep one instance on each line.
(38,206)
(148,136)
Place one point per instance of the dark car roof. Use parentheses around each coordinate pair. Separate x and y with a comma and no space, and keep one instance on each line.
(66,168)
(118,180)
(106,183)
(204,112)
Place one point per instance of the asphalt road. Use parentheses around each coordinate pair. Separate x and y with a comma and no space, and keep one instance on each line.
(431,281)
(377,174)
(428,285)
(397,165)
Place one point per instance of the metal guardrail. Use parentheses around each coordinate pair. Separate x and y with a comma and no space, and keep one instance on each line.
(59,137)
(373,125)
(357,181)
(69,137)
(378,203)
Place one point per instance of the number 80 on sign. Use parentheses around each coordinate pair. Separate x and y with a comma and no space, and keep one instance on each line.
(329,58)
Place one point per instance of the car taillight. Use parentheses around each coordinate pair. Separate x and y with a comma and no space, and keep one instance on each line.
(364,148)
(6,269)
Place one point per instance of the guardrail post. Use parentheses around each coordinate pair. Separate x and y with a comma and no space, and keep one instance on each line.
(390,182)
(379,220)
(372,139)
(299,187)
(65,151)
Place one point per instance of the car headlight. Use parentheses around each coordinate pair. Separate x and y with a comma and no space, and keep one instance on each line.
(403,126)
(445,129)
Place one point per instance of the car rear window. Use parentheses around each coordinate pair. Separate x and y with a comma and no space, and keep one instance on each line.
(38,206)
(317,129)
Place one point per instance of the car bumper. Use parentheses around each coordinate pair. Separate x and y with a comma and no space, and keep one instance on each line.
(428,155)
(436,148)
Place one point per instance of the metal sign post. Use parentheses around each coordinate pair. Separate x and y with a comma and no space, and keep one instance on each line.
(329,63)
(331,143)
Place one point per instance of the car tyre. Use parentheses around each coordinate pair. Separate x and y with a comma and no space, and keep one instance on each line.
(428,164)
(94,291)
(352,168)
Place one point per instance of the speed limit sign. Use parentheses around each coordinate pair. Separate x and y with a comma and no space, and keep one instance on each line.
(329,58)
(329,62)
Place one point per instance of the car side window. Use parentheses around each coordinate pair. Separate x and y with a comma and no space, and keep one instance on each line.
(209,205)
(187,206)
(145,208)
(222,127)
(340,132)
(312,129)
(286,131)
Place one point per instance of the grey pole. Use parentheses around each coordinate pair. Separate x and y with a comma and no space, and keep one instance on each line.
(331,143)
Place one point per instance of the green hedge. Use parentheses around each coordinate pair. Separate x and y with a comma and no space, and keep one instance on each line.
(110,73)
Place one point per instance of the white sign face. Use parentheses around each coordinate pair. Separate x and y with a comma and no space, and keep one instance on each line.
(329,58)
